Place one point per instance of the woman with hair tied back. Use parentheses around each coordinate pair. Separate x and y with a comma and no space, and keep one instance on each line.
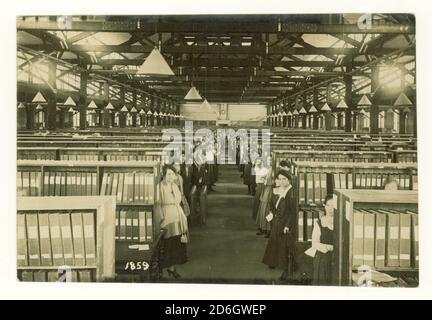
(174,221)
(322,245)
(280,250)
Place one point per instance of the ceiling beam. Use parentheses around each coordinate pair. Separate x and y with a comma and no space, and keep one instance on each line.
(229,50)
(215,27)
(209,62)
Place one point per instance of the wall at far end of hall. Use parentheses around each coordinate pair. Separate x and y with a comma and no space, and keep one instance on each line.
(248,114)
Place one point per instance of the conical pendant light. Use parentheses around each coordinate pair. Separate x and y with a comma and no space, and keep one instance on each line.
(325,107)
(342,105)
(296,113)
(280,114)
(289,113)
(39,98)
(134,110)
(364,102)
(92,105)
(363,112)
(124,109)
(149,113)
(39,107)
(109,106)
(193,94)
(21,106)
(313,110)
(303,110)
(69,102)
(141,111)
(206,105)
(403,101)
(155,64)
(284,113)
(71,110)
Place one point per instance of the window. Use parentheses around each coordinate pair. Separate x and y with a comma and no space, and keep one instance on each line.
(390,77)
(76,119)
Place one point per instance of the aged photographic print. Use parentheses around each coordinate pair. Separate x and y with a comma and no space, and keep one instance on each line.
(229,149)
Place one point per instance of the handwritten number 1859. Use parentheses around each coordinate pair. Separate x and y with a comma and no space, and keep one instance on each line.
(132,265)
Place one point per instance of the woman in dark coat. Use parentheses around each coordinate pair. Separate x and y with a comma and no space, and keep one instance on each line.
(247,170)
(322,245)
(280,251)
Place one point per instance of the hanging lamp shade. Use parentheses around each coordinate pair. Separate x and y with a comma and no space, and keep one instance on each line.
(402,101)
(71,110)
(342,105)
(284,113)
(69,102)
(155,64)
(134,110)
(295,112)
(206,105)
(92,105)
(325,107)
(279,114)
(39,107)
(313,110)
(109,106)
(141,111)
(124,109)
(406,109)
(363,112)
(149,113)
(364,102)
(91,111)
(193,94)
(289,113)
(21,106)
(39,98)
(303,110)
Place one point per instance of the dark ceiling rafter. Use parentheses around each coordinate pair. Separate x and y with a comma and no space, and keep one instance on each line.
(238,56)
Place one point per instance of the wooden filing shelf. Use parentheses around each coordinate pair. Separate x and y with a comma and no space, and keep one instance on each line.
(104,206)
(98,167)
(94,143)
(343,229)
(339,156)
(101,154)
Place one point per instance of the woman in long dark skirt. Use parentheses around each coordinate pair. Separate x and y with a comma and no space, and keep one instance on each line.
(280,251)
(174,221)
(247,169)
(322,245)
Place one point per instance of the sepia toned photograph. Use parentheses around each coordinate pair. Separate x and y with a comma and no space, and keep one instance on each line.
(262,149)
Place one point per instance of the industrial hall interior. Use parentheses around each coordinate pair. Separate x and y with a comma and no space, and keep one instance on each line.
(223,149)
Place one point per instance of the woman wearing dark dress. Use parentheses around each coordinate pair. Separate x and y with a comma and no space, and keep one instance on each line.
(280,251)
(322,245)
(174,221)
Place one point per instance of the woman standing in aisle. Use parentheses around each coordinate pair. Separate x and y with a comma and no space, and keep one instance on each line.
(247,170)
(280,251)
(322,245)
(174,221)
(264,205)
(260,174)
(180,183)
